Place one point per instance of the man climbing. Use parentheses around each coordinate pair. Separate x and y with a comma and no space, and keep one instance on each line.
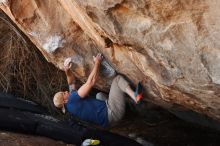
(101,110)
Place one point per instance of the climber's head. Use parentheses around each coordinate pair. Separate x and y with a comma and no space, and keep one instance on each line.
(60,98)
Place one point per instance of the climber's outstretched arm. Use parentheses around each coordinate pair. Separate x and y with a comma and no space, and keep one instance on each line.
(85,88)
(71,80)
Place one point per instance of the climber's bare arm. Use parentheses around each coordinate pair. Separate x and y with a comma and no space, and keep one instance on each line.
(85,88)
(71,80)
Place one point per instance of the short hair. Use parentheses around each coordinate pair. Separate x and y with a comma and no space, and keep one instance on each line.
(58,100)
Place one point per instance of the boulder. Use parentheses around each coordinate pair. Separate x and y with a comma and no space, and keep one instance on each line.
(171,46)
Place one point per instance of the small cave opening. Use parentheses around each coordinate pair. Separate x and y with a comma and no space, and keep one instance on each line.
(24,72)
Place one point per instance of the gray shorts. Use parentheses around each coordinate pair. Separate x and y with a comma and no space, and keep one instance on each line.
(116,101)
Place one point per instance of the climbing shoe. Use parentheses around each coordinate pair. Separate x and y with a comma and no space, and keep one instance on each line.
(138,93)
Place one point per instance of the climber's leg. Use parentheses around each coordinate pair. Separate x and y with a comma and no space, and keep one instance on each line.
(116,101)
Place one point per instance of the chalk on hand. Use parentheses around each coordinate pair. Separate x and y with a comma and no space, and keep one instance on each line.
(67,62)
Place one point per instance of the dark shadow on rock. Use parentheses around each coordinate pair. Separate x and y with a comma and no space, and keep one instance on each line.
(24,119)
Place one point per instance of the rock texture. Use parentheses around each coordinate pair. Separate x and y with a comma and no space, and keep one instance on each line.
(172,46)
(15,139)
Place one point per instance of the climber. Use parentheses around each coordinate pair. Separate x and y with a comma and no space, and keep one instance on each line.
(101,110)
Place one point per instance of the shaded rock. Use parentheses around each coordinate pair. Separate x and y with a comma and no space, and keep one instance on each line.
(22,119)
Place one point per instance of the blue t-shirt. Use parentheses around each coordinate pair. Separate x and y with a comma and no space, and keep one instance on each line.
(88,109)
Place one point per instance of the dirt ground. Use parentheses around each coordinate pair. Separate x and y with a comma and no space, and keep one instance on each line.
(17,139)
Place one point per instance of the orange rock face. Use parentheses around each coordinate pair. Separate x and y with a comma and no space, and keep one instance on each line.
(170,45)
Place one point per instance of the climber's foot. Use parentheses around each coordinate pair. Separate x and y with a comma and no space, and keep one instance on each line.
(138,93)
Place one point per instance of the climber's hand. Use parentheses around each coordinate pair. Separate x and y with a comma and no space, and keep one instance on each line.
(67,64)
(98,59)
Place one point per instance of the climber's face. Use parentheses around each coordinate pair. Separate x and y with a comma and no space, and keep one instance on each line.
(66,95)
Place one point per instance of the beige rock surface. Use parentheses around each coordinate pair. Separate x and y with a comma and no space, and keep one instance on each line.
(171,45)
